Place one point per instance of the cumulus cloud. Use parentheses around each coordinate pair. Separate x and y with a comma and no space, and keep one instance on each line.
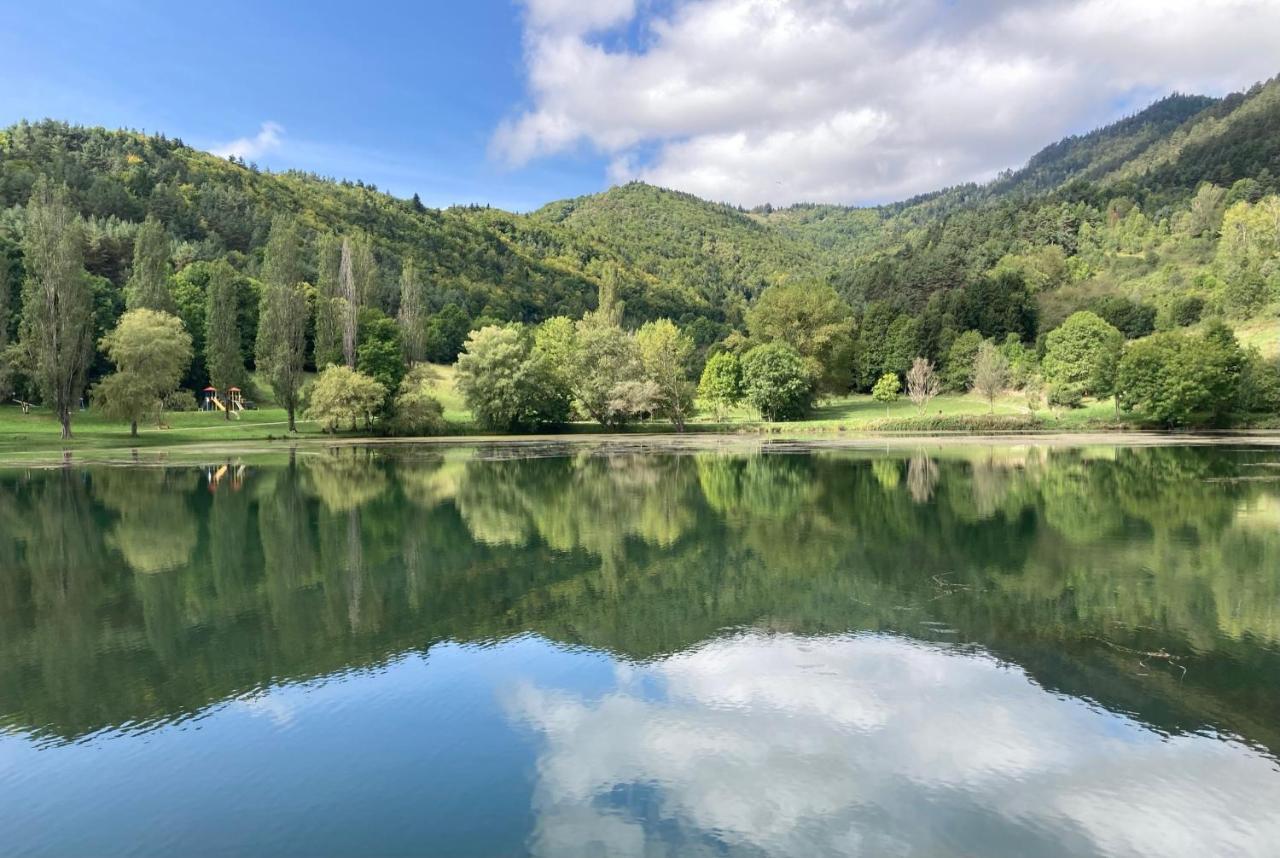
(875,745)
(858,100)
(269,138)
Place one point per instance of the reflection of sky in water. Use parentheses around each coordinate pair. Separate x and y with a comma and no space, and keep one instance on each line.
(874,745)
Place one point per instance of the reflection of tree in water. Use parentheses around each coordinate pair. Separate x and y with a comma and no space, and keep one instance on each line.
(345,478)
(922,477)
(347,558)
(152,532)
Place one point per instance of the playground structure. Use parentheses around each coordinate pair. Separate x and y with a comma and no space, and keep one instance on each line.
(228,475)
(213,400)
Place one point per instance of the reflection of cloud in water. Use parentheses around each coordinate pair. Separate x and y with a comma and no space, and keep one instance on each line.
(873,745)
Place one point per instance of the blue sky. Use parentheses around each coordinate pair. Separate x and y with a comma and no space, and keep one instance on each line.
(518,102)
(404,95)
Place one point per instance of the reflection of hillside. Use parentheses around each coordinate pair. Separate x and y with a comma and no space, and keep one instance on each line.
(133,595)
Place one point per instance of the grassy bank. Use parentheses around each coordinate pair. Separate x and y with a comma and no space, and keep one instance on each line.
(38,431)
(23,436)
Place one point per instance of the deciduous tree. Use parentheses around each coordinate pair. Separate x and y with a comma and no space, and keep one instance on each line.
(57,301)
(990,373)
(282,326)
(721,383)
(223,358)
(665,354)
(776,382)
(151,351)
(922,382)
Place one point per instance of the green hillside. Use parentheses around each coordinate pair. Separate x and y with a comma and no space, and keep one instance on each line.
(1157,221)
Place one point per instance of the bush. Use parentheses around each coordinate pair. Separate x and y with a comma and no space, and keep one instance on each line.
(775,382)
(1177,379)
(960,423)
(1065,396)
(341,396)
(416,410)
(1187,310)
(506,383)
(721,383)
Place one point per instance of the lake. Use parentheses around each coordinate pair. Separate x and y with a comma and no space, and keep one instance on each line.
(632,649)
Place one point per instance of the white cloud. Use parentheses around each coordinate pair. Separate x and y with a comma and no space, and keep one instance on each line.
(269,138)
(859,100)
(876,745)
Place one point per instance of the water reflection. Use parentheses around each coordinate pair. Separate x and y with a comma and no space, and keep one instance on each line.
(875,745)
(1021,641)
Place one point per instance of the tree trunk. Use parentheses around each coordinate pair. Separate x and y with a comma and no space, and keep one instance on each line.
(226,413)
(133,428)
(293,426)
(64,417)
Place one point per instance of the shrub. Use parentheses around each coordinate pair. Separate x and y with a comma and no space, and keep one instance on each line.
(415,410)
(507,385)
(343,396)
(721,383)
(775,382)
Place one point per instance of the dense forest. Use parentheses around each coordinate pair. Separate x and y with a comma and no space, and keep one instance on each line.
(1163,227)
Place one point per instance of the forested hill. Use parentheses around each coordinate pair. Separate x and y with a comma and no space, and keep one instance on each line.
(1120,211)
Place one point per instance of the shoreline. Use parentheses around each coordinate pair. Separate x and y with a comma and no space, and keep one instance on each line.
(194,453)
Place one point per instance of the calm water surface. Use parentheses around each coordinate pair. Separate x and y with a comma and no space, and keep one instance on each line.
(604,650)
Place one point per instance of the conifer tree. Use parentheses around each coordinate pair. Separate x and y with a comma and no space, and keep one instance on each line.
(148,286)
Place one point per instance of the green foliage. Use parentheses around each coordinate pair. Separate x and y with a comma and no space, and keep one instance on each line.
(57,301)
(446,332)
(1178,379)
(887,388)
(507,384)
(1083,355)
(148,286)
(416,410)
(814,321)
(151,351)
(223,356)
(341,396)
(721,383)
(957,375)
(282,329)
(776,382)
(1131,318)
(379,354)
(605,356)
(665,356)
(1186,310)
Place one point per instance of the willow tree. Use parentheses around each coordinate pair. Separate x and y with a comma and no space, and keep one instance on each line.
(57,301)
(282,324)
(328,341)
(151,350)
(412,317)
(222,355)
(148,286)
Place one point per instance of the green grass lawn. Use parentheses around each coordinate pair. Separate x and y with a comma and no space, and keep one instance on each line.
(39,430)
(862,413)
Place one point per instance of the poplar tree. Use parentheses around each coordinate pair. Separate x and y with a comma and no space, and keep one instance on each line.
(329,323)
(223,357)
(282,325)
(6,299)
(148,286)
(350,309)
(57,301)
(357,272)
(412,317)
